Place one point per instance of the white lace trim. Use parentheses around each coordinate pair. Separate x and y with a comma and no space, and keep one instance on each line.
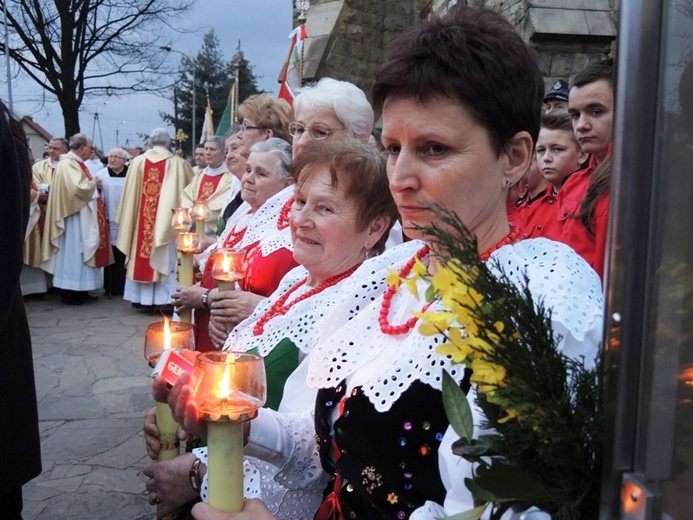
(236,222)
(559,276)
(263,226)
(300,324)
(385,366)
(259,226)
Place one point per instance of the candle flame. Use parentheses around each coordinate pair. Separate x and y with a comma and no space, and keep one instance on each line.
(225,382)
(200,210)
(167,334)
(226,264)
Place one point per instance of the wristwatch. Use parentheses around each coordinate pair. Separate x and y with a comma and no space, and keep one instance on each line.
(194,474)
(205,298)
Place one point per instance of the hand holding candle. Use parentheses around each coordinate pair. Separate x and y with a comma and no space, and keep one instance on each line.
(228,388)
(160,336)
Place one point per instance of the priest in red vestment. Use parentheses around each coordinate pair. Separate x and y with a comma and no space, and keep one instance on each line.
(211,184)
(153,185)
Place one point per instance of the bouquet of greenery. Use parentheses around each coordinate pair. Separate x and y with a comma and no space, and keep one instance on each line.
(542,406)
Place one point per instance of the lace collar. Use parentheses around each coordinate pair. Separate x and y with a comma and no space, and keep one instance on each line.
(302,324)
(385,366)
(262,226)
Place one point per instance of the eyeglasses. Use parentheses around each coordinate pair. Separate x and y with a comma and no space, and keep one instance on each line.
(116,157)
(317,132)
(251,127)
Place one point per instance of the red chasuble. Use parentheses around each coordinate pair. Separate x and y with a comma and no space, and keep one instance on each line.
(102,257)
(152,179)
(208,186)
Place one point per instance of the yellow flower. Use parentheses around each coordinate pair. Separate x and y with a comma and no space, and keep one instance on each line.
(411,285)
(393,278)
(512,414)
(485,372)
(457,348)
(419,269)
(433,322)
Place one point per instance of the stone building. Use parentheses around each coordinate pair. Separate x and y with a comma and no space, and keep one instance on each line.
(349,39)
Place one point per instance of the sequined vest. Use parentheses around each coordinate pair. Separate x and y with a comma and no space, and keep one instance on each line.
(389,460)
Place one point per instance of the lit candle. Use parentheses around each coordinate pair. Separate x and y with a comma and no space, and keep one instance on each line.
(200,212)
(181,219)
(160,336)
(187,244)
(228,388)
(227,267)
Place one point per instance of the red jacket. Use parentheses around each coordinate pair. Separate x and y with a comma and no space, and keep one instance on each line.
(590,244)
(539,217)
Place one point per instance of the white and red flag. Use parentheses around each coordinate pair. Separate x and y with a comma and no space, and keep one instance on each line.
(291,81)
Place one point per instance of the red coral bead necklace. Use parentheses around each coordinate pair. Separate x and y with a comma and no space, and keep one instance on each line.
(283,220)
(385,326)
(507,239)
(280,307)
(394,330)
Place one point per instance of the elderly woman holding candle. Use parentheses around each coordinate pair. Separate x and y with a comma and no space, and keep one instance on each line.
(340,217)
(260,227)
(324,110)
(379,419)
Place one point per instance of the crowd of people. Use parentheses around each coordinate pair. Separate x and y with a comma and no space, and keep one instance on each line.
(354,425)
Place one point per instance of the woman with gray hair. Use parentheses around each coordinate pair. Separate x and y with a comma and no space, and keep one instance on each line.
(260,228)
(331,108)
(327,108)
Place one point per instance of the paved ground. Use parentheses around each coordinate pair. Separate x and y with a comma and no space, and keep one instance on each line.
(93,390)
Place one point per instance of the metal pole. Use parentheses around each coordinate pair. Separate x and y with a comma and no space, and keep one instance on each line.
(7,58)
(194,101)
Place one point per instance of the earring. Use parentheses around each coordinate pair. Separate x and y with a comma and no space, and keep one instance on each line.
(508,183)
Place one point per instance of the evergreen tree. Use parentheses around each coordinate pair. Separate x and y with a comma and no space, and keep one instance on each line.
(213,77)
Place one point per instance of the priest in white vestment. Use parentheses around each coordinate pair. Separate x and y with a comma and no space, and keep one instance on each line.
(75,242)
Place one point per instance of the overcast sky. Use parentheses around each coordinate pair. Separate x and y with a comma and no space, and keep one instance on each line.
(263,26)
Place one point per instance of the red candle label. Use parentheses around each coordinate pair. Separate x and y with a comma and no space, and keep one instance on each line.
(171,365)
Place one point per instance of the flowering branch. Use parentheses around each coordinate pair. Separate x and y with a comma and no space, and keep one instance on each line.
(542,405)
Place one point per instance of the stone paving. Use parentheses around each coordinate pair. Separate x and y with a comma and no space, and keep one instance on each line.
(93,390)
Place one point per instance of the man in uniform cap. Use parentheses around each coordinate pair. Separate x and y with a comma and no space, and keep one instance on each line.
(556,99)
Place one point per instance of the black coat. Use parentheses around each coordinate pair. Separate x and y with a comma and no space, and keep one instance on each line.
(19,434)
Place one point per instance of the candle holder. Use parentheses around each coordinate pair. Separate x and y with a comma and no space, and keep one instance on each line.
(181,219)
(200,213)
(164,335)
(228,388)
(160,336)
(186,244)
(227,267)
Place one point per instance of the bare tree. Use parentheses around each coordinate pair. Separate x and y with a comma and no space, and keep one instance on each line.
(78,48)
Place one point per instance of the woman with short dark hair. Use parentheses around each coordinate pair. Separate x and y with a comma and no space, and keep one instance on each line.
(461,99)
